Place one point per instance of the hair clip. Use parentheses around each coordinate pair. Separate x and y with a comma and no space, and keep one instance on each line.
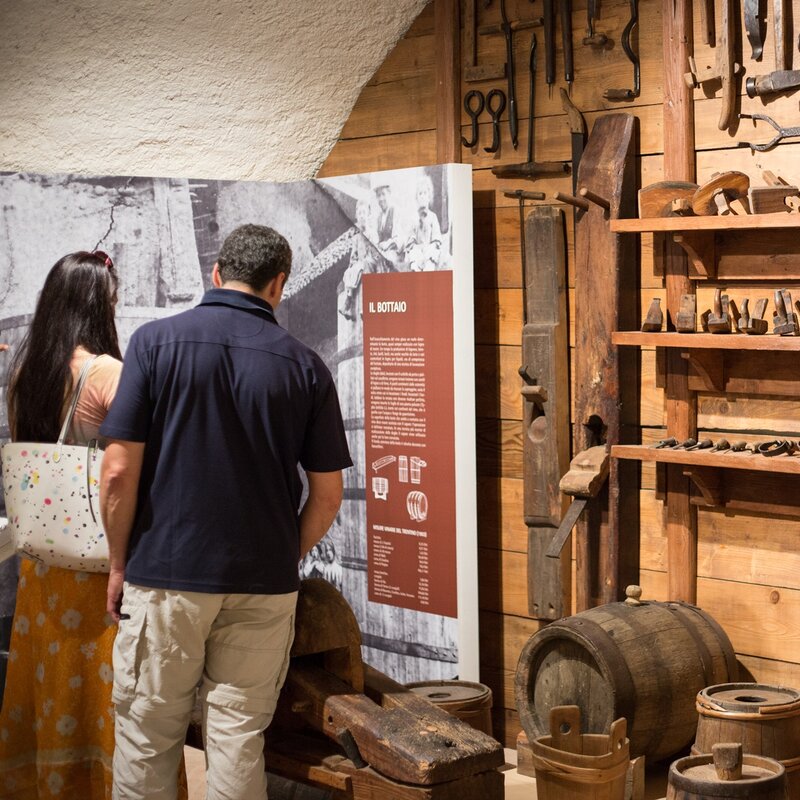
(105,258)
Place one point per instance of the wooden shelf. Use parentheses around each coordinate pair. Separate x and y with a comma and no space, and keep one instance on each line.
(707,341)
(728,223)
(787,465)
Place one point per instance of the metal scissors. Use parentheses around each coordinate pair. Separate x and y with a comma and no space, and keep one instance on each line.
(783,133)
(473,113)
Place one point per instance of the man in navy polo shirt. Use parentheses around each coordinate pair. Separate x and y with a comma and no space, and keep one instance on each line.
(200,497)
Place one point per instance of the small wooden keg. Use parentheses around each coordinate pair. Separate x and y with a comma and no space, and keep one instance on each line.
(641,660)
(727,775)
(469,702)
(574,766)
(764,718)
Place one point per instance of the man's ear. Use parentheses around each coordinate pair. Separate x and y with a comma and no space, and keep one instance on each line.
(216,278)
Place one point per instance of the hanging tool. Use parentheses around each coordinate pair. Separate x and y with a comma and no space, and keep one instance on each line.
(473,111)
(516,25)
(593,39)
(495,110)
(472,70)
(783,133)
(707,21)
(531,168)
(565,9)
(779,30)
(725,67)
(754,25)
(773,82)
(549,45)
(521,195)
(627,95)
(577,129)
(513,120)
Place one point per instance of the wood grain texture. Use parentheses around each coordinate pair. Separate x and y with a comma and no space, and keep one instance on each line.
(448,83)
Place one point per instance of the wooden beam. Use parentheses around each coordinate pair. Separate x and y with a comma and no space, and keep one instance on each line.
(448,81)
(681,403)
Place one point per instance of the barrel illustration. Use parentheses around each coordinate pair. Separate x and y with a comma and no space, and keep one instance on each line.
(644,661)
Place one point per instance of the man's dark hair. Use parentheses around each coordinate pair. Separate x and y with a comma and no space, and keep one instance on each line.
(254,254)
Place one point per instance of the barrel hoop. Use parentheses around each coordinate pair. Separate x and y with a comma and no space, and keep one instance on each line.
(708,709)
(722,638)
(706,661)
(663,685)
(610,660)
(580,774)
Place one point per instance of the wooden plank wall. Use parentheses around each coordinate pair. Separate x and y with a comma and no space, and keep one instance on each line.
(749,565)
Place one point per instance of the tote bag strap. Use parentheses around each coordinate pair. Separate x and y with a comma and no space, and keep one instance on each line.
(72,406)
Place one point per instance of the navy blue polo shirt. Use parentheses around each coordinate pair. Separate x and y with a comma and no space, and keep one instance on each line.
(228,404)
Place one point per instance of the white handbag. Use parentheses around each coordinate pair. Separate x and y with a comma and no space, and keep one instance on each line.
(52,498)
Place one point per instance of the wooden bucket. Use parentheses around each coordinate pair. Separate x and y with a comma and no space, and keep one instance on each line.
(727,775)
(765,719)
(574,766)
(469,702)
(642,661)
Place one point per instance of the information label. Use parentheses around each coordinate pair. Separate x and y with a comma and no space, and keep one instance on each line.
(410,440)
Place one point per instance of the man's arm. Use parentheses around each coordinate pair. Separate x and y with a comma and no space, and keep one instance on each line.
(324,498)
(119,484)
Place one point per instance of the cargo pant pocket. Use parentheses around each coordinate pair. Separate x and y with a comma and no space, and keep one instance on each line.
(129,647)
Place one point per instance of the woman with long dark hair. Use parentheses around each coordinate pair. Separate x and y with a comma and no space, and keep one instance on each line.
(56,724)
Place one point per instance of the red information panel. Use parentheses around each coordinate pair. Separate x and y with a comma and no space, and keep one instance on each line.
(410,444)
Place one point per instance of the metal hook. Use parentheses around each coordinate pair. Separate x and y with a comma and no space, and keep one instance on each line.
(473,114)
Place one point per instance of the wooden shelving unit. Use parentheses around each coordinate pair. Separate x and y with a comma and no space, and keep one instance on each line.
(721,249)
(708,341)
(730,248)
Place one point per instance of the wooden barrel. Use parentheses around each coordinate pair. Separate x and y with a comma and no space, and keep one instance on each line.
(765,719)
(574,766)
(469,702)
(645,661)
(729,777)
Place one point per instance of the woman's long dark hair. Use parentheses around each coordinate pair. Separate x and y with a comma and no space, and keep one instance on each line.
(75,307)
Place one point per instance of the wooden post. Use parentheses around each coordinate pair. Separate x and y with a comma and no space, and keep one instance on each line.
(681,403)
(448,81)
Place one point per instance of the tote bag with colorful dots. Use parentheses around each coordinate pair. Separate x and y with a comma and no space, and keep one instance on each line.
(51,493)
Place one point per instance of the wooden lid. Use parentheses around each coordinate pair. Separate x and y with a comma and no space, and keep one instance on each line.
(712,776)
(444,692)
(749,698)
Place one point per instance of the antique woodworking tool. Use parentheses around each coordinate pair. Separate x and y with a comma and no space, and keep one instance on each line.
(773,82)
(685,444)
(606,405)
(755,325)
(474,110)
(593,39)
(343,725)
(521,196)
(577,130)
(627,95)
(655,317)
(779,31)
(665,443)
(656,200)
(703,444)
(716,195)
(495,111)
(707,21)
(473,71)
(719,320)
(735,316)
(549,44)
(531,168)
(783,133)
(545,393)
(784,320)
(739,446)
(777,447)
(686,319)
(513,120)
(754,26)
(704,320)
(722,444)
(565,9)
(725,69)
(776,197)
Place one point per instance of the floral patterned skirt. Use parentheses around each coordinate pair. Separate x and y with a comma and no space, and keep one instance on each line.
(57,720)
